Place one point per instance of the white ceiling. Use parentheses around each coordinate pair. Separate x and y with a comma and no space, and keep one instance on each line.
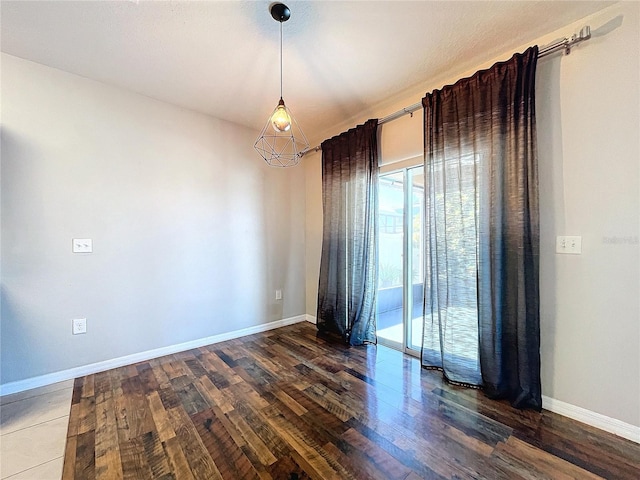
(221,57)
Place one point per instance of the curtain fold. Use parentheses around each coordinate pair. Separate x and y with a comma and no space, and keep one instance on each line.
(481,321)
(347,287)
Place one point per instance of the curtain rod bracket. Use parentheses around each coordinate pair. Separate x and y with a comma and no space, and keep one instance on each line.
(581,36)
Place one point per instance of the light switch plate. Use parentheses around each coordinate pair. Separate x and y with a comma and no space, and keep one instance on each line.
(82,245)
(569,244)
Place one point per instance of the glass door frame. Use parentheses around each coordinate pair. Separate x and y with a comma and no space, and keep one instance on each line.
(407,260)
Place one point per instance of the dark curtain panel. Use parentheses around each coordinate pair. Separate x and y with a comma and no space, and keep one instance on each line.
(348,269)
(481,317)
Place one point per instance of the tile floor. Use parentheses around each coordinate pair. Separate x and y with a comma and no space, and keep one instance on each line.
(33,431)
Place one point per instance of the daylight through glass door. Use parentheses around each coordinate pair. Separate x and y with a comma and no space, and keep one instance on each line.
(400,259)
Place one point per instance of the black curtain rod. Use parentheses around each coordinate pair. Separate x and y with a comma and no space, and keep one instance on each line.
(564,44)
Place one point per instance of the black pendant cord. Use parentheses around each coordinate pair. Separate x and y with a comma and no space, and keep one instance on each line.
(281,60)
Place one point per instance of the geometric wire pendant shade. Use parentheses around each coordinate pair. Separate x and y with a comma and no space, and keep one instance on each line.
(282,149)
(281,142)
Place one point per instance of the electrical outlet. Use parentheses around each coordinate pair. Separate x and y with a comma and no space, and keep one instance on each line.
(278,294)
(79,325)
(569,244)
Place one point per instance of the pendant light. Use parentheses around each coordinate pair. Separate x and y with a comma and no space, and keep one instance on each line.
(281,142)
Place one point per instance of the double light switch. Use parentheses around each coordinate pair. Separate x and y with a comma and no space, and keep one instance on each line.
(82,245)
(569,244)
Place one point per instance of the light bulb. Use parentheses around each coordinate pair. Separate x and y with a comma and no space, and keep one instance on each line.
(280,120)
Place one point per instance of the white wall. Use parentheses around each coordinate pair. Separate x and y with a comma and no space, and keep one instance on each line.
(192,232)
(589,162)
(588,109)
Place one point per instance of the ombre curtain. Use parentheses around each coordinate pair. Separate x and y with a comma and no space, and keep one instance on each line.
(481,319)
(347,287)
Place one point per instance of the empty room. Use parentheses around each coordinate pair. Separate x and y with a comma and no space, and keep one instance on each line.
(319,240)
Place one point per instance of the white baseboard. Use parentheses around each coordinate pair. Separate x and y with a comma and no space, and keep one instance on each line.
(612,425)
(48,379)
(608,424)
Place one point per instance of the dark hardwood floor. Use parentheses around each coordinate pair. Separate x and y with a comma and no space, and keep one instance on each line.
(286,404)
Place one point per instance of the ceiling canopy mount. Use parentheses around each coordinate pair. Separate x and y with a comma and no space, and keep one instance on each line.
(280,12)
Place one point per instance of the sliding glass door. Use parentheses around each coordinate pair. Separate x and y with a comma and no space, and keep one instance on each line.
(391,285)
(400,259)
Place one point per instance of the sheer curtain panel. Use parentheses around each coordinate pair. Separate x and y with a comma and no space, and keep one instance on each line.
(348,268)
(481,322)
